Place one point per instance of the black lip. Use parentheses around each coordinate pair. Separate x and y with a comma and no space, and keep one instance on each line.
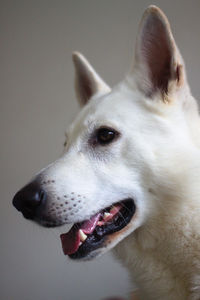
(97,238)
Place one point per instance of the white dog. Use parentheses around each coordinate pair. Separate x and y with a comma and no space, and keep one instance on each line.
(129,176)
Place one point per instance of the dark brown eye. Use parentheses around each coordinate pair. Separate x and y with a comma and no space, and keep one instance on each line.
(105,135)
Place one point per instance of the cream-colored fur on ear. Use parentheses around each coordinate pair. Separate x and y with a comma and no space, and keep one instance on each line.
(158,62)
(87,82)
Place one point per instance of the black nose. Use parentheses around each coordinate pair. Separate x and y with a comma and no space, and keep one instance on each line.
(30,200)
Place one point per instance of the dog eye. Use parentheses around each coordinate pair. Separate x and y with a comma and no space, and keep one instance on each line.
(105,135)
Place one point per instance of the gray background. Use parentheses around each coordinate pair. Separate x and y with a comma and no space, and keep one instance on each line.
(38,102)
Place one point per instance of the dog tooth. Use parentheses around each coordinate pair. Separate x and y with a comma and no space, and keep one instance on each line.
(83,236)
(100,223)
(106,215)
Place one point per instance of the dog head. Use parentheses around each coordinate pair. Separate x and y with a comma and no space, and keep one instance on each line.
(120,150)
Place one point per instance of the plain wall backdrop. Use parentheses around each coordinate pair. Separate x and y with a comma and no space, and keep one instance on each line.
(37,102)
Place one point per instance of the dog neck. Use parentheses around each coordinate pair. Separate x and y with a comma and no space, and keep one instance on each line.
(165,251)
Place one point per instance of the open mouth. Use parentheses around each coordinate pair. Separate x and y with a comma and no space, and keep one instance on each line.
(90,235)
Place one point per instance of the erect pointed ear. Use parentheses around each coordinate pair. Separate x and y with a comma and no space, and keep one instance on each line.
(158,65)
(87,82)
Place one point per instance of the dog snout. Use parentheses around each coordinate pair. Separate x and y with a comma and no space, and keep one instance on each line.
(30,200)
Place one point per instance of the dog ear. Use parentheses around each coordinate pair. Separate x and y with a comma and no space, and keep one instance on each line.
(158,65)
(87,82)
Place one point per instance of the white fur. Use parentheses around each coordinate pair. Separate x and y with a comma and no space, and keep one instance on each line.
(156,161)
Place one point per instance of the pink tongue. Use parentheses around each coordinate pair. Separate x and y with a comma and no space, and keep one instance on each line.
(71,240)
(89,225)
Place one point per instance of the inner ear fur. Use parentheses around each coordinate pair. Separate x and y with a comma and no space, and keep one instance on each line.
(157,58)
(87,82)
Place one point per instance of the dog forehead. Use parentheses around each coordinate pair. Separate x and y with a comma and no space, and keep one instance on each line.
(113,109)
